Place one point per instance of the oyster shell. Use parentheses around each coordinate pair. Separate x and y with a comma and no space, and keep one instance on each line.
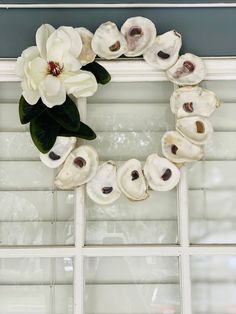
(58,153)
(161,174)
(103,189)
(193,100)
(188,70)
(178,149)
(108,42)
(164,52)
(196,129)
(87,55)
(131,180)
(80,167)
(139,33)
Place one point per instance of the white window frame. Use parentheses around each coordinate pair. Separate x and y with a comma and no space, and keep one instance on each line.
(117,5)
(129,71)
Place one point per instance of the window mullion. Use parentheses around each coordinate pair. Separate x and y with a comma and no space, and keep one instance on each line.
(79,231)
(184,242)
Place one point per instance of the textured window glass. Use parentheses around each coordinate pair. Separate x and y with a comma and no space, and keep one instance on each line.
(36,286)
(128,285)
(129,120)
(32,212)
(212,182)
(213,284)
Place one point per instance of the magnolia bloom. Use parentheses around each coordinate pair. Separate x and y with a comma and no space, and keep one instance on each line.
(51,69)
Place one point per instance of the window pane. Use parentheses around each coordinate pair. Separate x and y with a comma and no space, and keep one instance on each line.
(129,119)
(213,284)
(212,197)
(36,285)
(32,212)
(132,285)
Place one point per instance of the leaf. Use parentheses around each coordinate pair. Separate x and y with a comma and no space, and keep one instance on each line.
(44,131)
(67,115)
(27,112)
(84,132)
(101,74)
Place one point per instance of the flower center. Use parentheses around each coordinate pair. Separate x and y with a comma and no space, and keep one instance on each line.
(54,68)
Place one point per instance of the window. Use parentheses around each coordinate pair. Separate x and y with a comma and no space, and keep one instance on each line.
(173,253)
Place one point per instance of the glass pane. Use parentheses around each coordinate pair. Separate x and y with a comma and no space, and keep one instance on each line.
(128,285)
(129,119)
(36,285)
(213,284)
(212,196)
(32,212)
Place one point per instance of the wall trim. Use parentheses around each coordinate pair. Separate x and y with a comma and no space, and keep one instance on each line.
(137,70)
(117,5)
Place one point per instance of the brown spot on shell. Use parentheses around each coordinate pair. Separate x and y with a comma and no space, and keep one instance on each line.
(80,162)
(54,156)
(174,149)
(134,175)
(135,31)
(200,127)
(115,46)
(188,107)
(107,189)
(188,66)
(163,55)
(166,175)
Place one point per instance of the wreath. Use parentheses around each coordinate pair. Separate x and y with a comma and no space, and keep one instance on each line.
(62,68)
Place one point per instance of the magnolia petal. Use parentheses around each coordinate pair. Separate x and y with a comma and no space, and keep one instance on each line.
(70,63)
(52,85)
(36,71)
(82,84)
(30,95)
(57,44)
(52,91)
(26,56)
(30,53)
(42,35)
(76,42)
(20,64)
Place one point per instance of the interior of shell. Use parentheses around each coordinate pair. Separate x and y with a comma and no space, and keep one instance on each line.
(188,70)
(102,188)
(139,33)
(164,52)
(131,180)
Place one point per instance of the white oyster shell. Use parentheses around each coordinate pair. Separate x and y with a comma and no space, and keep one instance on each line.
(164,52)
(58,153)
(80,167)
(196,129)
(193,100)
(108,42)
(131,180)
(139,33)
(161,174)
(188,70)
(178,149)
(103,189)
(87,55)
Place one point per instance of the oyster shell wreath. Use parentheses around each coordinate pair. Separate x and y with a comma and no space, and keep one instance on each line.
(62,66)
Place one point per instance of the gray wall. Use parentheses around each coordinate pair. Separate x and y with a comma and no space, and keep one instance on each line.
(206,31)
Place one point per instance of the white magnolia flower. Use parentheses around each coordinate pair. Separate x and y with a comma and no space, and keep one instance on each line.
(51,69)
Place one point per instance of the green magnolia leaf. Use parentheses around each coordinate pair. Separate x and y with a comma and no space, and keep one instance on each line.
(67,115)
(101,74)
(27,112)
(84,132)
(44,131)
